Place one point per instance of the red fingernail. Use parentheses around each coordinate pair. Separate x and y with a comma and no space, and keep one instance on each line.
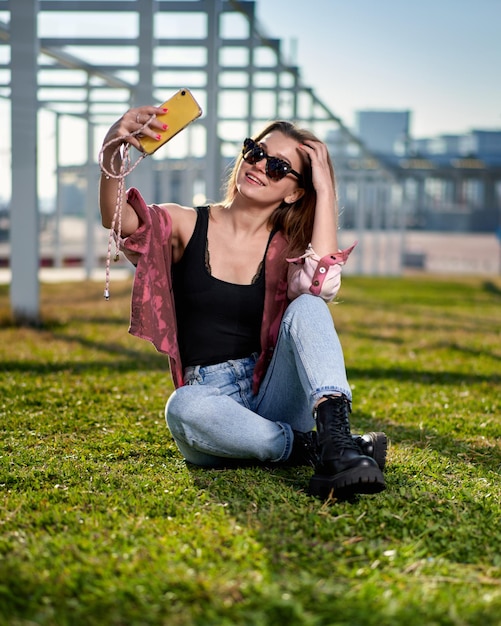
(158,137)
(165,127)
(165,110)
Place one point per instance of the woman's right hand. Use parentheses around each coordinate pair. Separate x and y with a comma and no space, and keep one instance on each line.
(132,121)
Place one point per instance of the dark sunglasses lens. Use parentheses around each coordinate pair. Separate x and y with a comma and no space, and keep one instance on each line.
(252,153)
(277,169)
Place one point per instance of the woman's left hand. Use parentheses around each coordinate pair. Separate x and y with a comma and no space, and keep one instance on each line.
(320,166)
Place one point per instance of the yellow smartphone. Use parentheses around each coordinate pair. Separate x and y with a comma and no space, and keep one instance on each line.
(182,109)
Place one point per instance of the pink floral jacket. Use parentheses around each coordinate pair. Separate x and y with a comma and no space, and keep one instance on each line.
(153,315)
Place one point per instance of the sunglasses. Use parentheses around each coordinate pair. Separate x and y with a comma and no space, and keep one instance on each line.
(275,169)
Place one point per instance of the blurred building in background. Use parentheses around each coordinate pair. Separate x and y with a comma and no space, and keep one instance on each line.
(384,132)
(451,183)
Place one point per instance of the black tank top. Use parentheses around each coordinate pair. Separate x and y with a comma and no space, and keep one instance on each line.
(217,321)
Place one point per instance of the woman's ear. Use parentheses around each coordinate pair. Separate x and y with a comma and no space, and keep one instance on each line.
(296,195)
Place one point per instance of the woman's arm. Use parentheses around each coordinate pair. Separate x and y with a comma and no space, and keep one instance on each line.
(120,133)
(324,236)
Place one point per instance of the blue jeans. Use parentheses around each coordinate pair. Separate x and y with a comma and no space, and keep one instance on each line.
(216,416)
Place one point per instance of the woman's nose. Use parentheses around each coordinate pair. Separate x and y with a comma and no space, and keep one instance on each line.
(261,165)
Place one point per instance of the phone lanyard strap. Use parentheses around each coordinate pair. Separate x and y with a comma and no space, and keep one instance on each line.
(125,169)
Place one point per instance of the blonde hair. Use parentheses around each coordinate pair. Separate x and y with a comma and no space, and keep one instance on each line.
(295,220)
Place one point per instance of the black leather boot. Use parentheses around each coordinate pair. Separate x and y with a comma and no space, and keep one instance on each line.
(305,448)
(341,470)
(375,445)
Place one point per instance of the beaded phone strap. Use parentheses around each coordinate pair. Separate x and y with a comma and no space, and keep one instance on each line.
(125,169)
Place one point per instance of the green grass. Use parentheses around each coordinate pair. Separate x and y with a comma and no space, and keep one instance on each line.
(102,523)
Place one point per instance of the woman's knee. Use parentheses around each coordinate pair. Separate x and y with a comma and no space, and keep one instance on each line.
(307,309)
(176,409)
(186,404)
(307,302)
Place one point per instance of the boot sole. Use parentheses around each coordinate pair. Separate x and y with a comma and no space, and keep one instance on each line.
(346,485)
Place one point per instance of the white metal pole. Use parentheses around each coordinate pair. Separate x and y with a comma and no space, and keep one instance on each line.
(24,215)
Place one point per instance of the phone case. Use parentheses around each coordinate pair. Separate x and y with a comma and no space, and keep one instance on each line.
(182,110)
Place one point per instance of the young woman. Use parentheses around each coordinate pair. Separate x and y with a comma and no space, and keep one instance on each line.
(236,294)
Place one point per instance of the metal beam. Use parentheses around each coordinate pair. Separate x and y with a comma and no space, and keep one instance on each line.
(142,177)
(69,61)
(24,217)
(211,115)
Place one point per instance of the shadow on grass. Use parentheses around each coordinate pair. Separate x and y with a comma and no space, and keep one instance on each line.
(51,323)
(455,347)
(423,376)
(424,325)
(140,362)
(492,288)
(247,486)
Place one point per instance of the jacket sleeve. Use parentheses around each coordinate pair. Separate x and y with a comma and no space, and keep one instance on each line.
(320,276)
(138,243)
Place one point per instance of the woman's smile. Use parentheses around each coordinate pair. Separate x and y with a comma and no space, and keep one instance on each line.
(253,179)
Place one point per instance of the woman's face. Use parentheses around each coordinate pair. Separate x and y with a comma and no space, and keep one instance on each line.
(254,184)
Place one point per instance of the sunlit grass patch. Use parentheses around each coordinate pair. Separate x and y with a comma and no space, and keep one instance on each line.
(102,523)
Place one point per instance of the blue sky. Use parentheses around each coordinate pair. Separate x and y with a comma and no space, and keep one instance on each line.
(439,58)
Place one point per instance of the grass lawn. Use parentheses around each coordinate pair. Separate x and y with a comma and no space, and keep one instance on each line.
(102,523)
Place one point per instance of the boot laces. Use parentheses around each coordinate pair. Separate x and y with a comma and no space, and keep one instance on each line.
(338,426)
